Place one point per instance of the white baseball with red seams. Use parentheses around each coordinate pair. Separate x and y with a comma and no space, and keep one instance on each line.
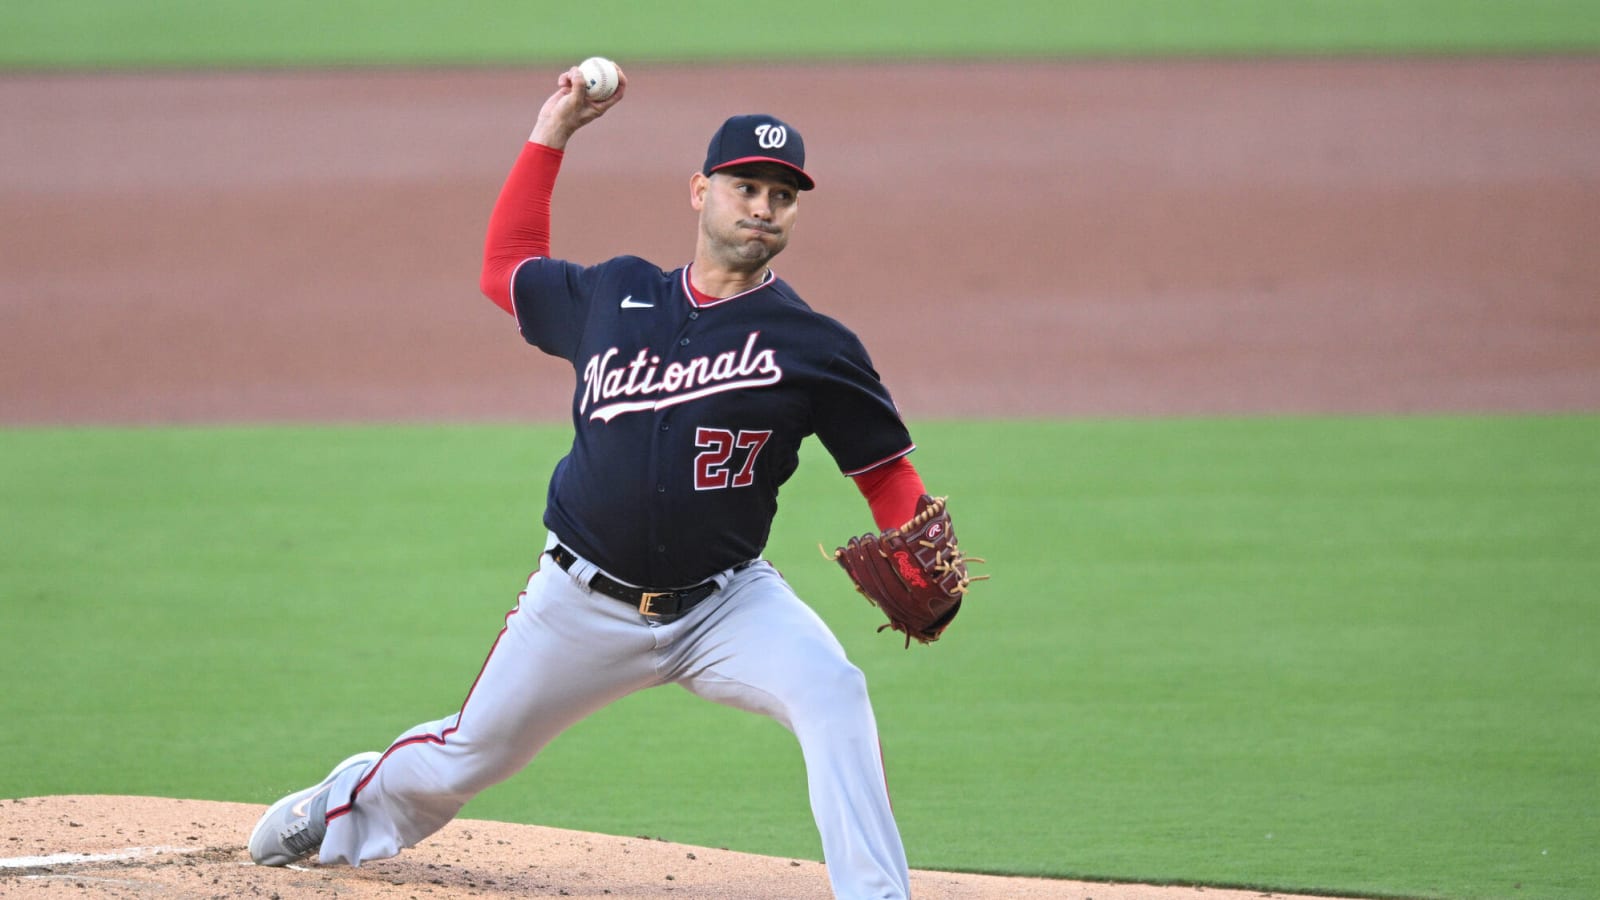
(600,77)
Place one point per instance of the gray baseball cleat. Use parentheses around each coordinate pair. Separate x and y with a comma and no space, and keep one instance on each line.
(292,829)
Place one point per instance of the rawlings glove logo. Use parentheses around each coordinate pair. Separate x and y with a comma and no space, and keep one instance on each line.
(908,569)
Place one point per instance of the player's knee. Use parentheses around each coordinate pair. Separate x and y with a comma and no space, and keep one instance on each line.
(839,686)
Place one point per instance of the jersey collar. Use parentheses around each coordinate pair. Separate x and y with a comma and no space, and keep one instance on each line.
(701,301)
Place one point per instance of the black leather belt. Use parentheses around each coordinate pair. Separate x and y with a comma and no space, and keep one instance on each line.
(664,605)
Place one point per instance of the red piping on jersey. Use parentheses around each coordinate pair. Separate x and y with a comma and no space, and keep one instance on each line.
(511,282)
(700,299)
(887,459)
(440,738)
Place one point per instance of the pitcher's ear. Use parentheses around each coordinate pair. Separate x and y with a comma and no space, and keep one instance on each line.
(698,185)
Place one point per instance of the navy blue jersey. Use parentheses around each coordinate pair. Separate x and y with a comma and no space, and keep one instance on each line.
(688,417)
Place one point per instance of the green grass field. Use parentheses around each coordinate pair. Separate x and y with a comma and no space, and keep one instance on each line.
(1351,655)
(95,33)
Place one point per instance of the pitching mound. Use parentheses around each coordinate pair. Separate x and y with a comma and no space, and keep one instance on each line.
(82,846)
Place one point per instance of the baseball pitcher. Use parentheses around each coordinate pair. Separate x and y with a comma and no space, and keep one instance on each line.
(693,389)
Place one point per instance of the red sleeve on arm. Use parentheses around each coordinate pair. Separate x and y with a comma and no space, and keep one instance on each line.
(519,227)
(892,490)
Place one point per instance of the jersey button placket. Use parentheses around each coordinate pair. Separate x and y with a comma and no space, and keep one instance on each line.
(664,462)
(665,457)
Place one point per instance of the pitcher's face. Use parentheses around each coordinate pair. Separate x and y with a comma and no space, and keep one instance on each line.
(746,213)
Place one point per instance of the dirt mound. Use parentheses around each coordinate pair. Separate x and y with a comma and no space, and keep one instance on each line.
(85,846)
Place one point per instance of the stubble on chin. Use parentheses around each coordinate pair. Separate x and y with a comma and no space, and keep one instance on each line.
(748,250)
(757,251)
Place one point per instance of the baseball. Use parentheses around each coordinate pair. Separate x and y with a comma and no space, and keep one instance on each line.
(599,76)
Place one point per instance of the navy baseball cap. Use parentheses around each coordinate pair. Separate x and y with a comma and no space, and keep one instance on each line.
(758,138)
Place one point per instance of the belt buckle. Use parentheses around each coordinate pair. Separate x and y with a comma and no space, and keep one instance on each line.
(647,602)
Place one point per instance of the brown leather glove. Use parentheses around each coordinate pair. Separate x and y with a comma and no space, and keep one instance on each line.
(916,574)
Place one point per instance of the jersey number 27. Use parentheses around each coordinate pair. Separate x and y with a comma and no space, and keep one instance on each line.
(713,470)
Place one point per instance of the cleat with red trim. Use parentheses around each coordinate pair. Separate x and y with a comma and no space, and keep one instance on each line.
(292,829)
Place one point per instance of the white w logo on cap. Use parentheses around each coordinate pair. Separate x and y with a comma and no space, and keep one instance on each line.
(770,136)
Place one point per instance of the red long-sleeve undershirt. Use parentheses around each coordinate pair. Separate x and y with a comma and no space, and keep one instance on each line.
(519,228)
(892,490)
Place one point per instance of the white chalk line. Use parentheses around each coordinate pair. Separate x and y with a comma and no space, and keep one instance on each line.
(88,879)
(72,859)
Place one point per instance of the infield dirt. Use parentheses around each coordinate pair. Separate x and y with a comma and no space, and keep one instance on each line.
(1116,239)
(141,847)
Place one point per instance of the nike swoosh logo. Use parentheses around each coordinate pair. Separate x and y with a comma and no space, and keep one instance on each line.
(629,303)
(303,808)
